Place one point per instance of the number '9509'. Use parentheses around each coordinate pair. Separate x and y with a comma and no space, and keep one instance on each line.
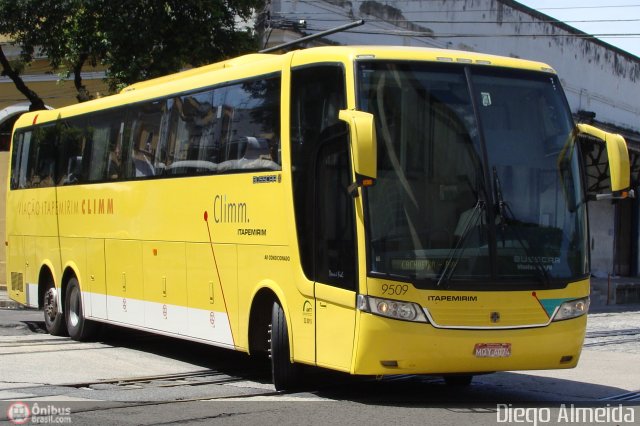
(395,289)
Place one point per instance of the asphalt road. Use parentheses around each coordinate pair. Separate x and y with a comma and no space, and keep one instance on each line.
(129,377)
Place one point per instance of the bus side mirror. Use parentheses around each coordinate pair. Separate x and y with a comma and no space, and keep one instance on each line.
(618,158)
(364,150)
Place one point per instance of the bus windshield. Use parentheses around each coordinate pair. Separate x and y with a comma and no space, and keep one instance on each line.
(478,177)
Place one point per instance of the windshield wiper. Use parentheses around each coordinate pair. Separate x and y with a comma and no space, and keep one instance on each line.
(455,254)
(505,215)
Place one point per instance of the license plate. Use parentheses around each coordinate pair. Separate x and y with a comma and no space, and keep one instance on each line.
(492,350)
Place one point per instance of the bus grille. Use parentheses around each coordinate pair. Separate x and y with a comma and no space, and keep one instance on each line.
(17,281)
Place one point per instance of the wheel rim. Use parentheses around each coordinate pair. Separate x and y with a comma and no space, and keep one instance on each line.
(51,304)
(74,308)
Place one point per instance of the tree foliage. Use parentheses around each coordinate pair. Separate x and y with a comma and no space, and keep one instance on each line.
(134,39)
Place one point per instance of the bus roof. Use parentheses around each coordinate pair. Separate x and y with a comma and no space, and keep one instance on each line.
(259,63)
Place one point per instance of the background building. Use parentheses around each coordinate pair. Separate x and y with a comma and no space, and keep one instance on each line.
(602,82)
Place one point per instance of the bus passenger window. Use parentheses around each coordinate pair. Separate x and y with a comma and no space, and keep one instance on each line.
(145,138)
(46,142)
(71,142)
(105,135)
(250,128)
(190,142)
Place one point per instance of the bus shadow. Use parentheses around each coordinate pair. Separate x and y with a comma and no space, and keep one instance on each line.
(226,361)
(486,391)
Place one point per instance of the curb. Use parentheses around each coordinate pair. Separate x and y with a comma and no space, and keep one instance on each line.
(5,302)
(9,304)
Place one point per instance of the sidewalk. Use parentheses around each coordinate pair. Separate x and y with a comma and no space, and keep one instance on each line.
(5,302)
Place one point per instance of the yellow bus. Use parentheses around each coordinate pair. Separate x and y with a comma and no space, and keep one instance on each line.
(372,210)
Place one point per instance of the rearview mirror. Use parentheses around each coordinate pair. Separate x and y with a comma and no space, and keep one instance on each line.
(618,160)
(364,150)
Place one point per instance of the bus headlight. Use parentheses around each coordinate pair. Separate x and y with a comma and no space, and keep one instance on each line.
(396,309)
(572,309)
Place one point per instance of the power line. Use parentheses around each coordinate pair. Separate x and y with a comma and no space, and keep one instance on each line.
(462,22)
(429,34)
(608,6)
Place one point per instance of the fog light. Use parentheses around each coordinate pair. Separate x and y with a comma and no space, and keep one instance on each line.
(566,359)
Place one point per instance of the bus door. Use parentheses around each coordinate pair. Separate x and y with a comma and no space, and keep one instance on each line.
(335,270)
(324,209)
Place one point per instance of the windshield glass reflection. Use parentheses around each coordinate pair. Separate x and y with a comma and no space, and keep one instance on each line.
(478,175)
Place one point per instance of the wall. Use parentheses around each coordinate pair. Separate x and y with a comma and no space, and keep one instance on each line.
(601,230)
(595,76)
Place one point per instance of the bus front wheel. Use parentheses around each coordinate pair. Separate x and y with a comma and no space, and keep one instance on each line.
(53,318)
(286,375)
(78,326)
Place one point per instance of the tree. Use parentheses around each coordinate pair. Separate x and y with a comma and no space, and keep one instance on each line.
(148,38)
(12,15)
(134,39)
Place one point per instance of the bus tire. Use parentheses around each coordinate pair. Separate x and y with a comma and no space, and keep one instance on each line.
(54,320)
(78,326)
(459,380)
(286,375)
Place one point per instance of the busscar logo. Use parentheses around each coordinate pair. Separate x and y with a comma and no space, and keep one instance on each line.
(267,179)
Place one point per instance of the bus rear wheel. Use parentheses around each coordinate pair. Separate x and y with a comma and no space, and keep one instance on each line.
(78,326)
(54,320)
(286,375)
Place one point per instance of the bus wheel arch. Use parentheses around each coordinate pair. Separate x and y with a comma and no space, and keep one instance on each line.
(259,320)
(270,333)
(49,302)
(45,281)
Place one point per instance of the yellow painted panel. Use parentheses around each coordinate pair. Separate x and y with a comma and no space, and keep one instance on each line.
(31,267)
(419,348)
(96,280)
(335,326)
(124,268)
(164,272)
(236,209)
(16,269)
(205,288)
(212,285)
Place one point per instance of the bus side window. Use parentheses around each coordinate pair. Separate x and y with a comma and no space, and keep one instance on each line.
(21,142)
(105,146)
(189,141)
(250,128)
(71,145)
(145,138)
(317,94)
(335,226)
